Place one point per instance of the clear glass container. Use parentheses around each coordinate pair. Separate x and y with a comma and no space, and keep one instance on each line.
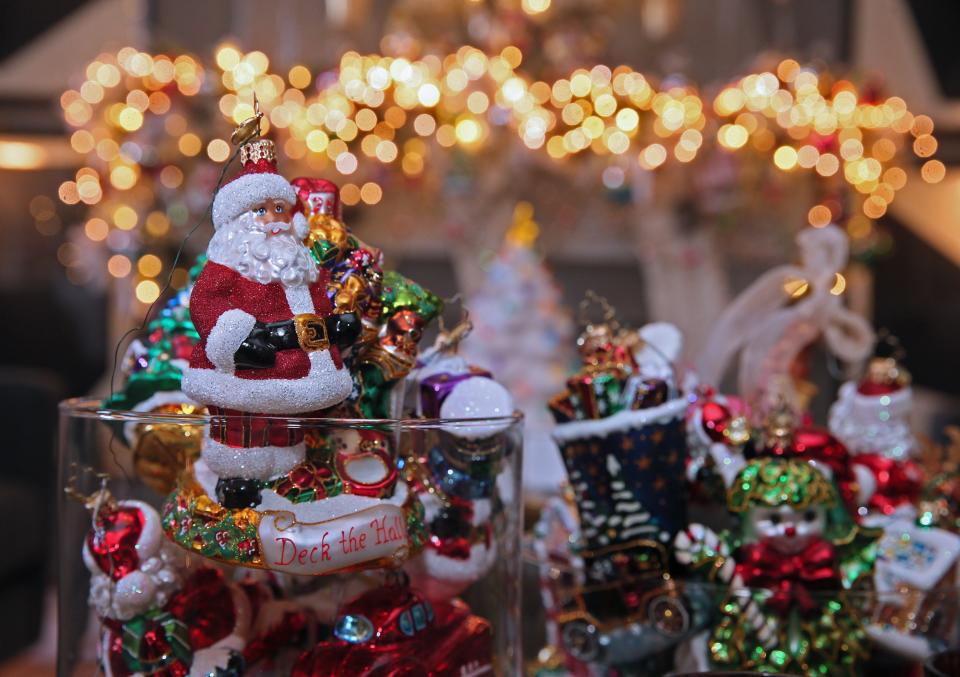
(394,550)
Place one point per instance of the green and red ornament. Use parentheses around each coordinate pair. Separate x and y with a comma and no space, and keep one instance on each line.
(389,348)
(152,371)
(790,575)
(872,418)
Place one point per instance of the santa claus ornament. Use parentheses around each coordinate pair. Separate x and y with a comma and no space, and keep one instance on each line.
(159,615)
(272,345)
(872,418)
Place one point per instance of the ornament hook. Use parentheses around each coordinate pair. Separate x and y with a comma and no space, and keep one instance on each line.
(249,129)
(98,499)
(609,316)
(450,339)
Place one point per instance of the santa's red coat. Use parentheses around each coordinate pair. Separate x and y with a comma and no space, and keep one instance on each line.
(224,306)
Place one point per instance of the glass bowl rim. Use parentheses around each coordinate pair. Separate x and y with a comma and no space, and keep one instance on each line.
(92,408)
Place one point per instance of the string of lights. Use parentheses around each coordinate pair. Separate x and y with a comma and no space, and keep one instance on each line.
(143,127)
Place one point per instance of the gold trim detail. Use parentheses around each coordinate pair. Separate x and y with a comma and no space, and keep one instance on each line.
(311,332)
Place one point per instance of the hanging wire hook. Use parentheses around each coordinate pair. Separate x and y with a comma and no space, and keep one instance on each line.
(609,312)
(249,129)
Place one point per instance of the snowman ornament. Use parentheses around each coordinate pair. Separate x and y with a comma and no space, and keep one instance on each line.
(459,506)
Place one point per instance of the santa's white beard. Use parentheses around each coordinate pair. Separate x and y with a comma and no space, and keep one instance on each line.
(254,251)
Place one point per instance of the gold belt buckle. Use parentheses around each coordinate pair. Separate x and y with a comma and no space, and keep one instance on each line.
(311,332)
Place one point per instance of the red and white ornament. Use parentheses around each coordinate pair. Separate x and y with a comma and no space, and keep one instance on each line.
(874,422)
(158,609)
(133,566)
(872,419)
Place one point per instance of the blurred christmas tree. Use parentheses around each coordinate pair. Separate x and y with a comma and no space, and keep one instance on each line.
(522,333)
(154,366)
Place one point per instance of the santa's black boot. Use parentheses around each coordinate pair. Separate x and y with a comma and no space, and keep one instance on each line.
(235,493)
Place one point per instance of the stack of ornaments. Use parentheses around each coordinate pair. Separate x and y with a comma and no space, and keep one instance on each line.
(772,544)
(285,547)
(604,549)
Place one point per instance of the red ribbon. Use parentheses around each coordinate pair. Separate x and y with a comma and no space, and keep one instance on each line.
(790,578)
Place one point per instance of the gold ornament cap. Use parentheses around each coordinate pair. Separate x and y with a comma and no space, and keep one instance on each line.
(256,151)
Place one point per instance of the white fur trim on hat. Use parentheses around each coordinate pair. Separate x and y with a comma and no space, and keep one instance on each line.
(324,386)
(247,191)
(258,463)
(232,329)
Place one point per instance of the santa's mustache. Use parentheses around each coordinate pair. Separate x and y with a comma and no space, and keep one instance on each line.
(274,227)
(298,226)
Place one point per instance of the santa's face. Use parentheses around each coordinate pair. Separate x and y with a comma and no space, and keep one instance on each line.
(787,529)
(263,245)
(323,203)
(272,217)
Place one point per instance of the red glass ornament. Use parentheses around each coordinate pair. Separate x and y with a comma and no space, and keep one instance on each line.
(898,482)
(205,605)
(113,543)
(182,347)
(715,418)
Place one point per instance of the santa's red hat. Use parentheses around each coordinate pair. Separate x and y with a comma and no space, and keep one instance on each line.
(257,181)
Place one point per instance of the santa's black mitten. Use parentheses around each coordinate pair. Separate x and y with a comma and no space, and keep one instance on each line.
(343,329)
(256,351)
